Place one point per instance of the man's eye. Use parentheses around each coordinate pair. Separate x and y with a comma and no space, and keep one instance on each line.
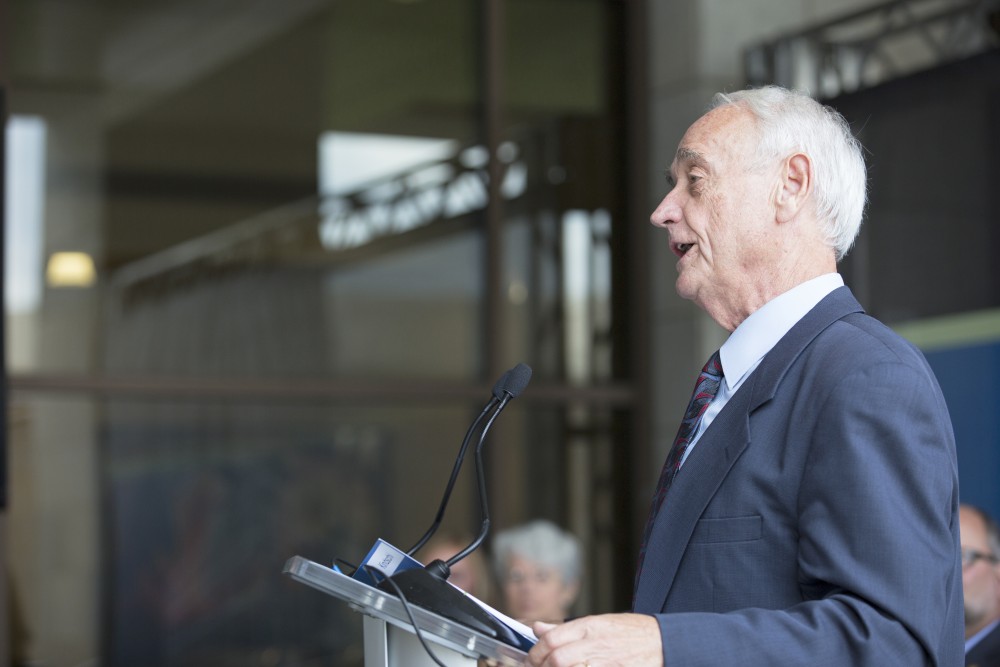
(671,183)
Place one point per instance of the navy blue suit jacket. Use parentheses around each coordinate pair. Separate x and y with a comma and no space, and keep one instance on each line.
(987,652)
(816,520)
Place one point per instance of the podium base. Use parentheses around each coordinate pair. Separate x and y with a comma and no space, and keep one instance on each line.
(389,646)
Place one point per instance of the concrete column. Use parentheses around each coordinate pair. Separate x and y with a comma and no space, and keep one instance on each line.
(53,528)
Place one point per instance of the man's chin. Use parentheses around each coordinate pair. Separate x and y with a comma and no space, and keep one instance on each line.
(685,289)
(973,617)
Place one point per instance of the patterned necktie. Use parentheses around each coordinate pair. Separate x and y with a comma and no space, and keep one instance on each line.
(704,391)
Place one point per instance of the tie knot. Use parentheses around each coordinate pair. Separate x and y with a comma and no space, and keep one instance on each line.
(713,367)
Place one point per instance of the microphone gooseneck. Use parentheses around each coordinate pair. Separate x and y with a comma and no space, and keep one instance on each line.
(428,586)
(481,484)
(510,384)
(514,382)
(498,395)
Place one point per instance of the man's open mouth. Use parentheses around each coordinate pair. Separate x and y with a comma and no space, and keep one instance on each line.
(680,249)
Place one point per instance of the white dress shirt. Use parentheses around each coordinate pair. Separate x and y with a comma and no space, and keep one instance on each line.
(756,335)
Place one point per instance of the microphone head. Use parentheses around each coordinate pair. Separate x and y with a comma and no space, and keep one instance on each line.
(517,380)
(501,384)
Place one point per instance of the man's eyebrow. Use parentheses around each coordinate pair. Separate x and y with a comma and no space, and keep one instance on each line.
(685,155)
(690,155)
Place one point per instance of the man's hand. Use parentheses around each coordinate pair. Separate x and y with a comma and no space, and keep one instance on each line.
(618,640)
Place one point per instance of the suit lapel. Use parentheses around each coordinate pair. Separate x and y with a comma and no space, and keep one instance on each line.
(719,448)
(692,489)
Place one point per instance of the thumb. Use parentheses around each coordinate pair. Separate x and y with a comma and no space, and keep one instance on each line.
(540,628)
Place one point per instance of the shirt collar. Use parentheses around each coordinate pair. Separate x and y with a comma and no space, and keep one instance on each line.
(760,332)
(978,637)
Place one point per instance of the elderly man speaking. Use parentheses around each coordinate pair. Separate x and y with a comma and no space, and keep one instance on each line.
(807,512)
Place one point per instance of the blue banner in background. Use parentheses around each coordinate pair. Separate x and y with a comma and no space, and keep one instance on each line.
(970,378)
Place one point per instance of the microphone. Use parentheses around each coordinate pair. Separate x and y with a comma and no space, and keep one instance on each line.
(428,586)
(517,379)
(500,393)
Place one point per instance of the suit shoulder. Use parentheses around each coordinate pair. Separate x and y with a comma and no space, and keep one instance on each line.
(869,341)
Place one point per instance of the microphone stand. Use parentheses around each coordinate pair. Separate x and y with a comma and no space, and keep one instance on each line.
(428,587)
(454,472)
(481,484)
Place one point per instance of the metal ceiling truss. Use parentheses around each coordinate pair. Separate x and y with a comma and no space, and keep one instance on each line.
(875,45)
(375,218)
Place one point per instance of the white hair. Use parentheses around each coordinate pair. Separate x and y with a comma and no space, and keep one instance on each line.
(790,121)
(540,541)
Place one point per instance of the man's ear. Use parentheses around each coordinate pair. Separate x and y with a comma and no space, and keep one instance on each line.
(794,187)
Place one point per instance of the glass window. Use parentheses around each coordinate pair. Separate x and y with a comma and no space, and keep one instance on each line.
(253,304)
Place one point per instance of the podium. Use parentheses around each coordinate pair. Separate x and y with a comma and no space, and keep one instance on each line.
(389,637)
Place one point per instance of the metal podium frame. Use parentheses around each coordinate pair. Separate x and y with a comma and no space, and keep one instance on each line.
(384,613)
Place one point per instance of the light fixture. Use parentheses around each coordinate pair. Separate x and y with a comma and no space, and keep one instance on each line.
(70,269)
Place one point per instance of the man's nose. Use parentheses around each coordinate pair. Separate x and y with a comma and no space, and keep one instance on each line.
(666,213)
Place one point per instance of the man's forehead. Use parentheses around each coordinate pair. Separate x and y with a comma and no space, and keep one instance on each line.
(972,526)
(711,137)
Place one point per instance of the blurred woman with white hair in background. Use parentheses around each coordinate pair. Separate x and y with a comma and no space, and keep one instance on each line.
(539,568)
